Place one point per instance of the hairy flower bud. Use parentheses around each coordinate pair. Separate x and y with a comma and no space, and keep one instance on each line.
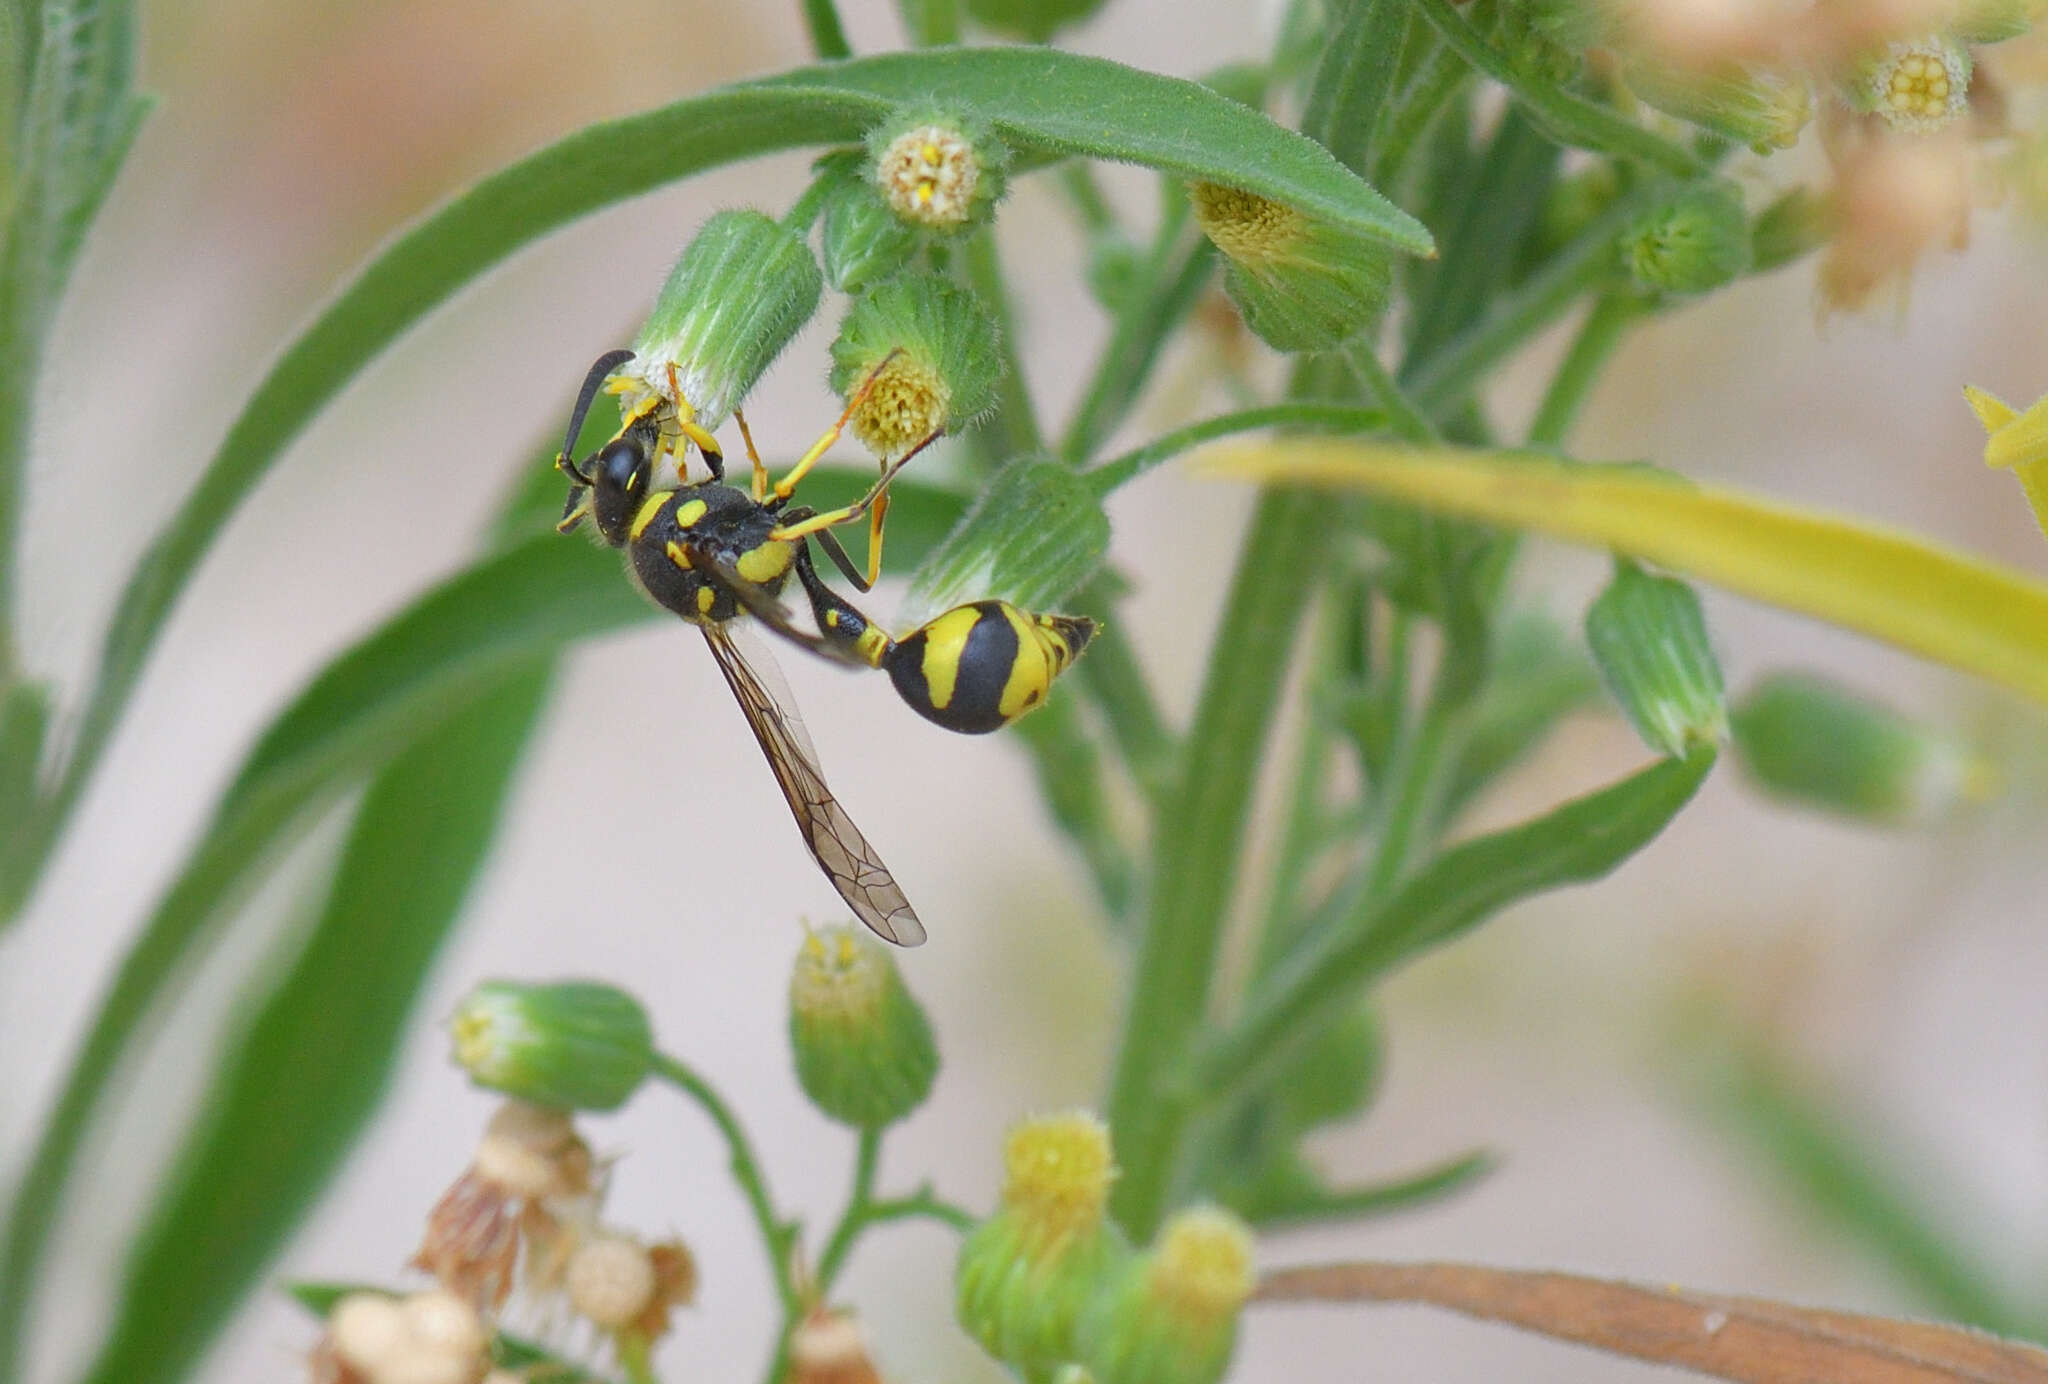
(573,1045)
(1808,740)
(1764,110)
(934,346)
(864,1049)
(1301,284)
(1696,242)
(1649,638)
(863,239)
(1171,1315)
(938,170)
(1025,1274)
(743,288)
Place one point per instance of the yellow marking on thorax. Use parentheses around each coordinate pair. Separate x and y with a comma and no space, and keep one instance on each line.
(649,507)
(1034,669)
(945,640)
(766,563)
(689,512)
(706,598)
(678,556)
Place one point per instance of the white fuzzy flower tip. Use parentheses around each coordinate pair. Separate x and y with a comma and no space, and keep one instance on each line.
(929,175)
(1921,86)
(611,1281)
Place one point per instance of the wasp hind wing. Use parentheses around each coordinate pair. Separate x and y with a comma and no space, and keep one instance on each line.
(845,856)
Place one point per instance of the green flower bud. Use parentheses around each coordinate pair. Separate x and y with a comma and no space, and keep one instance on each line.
(568,1046)
(863,239)
(1993,21)
(1765,110)
(1036,20)
(1299,283)
(1171,1315)
(745,285)
(1025,1275)
(1696,242)
(1790,228)
(1650,640)
(1808,740)
(935,346)
(1918,85)
(864,1049)
(1576,202)
(938,170)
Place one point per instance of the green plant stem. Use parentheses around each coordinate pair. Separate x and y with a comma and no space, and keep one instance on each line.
(1409,799)
(922,1204)
(828,39)
(1568,118)
(1014,429)
(1338,418)
(633,1359)
(1084,194)
(1360,59)
(1441,75)
(1169,283)
(1606,324)
(1196,849)
(1581,840)
(931,22)
(803,213)
(1069,768)
(1401,411)
(1588,262)
(776,1234)
(858,1207)
(1116,682)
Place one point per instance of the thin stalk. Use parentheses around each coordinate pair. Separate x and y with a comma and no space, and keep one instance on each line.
(1588,262)
(1360,61)
(803,213)
(1409,800)
(1301,835)
(1402,413)
(1115,681)
(859,1207)
(1566,117)
(1084,194)
(1014,429)
(776,1234)
(1068,764)
(1341,418)
(1441,75)
(828,39)
(1602,331)
(922,1205)
(1401,1194)
(1197,848)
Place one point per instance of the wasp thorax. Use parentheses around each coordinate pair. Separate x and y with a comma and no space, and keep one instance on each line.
(1299,282)
(915,357)
(864,1049)
(939,171)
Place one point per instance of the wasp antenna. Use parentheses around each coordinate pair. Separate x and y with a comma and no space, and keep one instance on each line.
(606,363)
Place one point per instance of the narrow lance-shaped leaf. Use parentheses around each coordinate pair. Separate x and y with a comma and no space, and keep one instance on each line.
(1580,841)
(308,1072)
(1948,606)
(1750,1340)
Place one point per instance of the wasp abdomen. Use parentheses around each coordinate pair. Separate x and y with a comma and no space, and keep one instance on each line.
(980,666)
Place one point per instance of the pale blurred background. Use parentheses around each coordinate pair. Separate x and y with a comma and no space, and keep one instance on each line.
(291,138)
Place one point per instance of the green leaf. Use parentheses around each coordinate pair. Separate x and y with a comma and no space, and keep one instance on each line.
(1036,20)
(300,1083)
(1580,841)
(68,114)
(1945,605)
(1303,1200)
(1539,677)
(1035,536)
(1847,1171)
(1050,103)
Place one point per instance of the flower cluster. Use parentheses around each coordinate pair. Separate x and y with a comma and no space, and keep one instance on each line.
(1922,106)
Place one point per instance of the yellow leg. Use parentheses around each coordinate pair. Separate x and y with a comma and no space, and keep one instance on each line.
(688,428)
(876,516)
(785,487)
(832,518)
(754,457)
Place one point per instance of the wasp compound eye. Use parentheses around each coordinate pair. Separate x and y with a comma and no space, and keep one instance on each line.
(617,463)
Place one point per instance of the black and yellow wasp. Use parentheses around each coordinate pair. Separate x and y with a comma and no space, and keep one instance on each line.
(711,552)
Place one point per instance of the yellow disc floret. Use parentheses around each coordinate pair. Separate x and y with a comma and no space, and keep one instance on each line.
(1203,1265)
(1057,1170)
(929,175)
(1920,85)
(1248,228)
